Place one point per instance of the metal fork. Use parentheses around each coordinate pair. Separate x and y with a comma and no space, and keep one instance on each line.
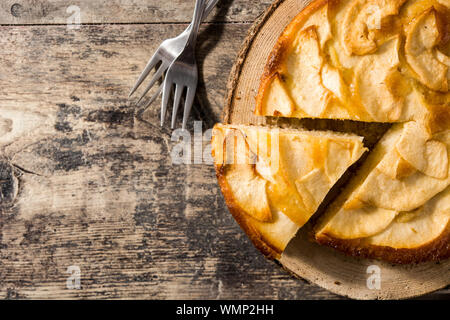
(166,53)
(183,73)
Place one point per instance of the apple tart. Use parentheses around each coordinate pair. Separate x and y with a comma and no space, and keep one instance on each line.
(377,61)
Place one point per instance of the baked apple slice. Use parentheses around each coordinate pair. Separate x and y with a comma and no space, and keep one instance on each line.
(361,22)
(421,51)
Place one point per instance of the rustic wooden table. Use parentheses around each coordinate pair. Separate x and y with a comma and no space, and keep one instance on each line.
(86,179)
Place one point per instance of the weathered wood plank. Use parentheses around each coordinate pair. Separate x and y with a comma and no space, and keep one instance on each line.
(87,180)
(120,11)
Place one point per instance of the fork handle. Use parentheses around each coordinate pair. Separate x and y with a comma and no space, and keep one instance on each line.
(196,21)
(209,7)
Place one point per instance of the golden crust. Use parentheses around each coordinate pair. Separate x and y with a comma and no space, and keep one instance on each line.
(436,250)
(258,240)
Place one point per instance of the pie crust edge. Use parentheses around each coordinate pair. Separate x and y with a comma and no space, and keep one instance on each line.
(241,217)
(436,250)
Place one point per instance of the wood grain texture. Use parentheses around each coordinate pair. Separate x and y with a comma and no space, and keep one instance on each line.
(86,178)
(332,270)
(124,11)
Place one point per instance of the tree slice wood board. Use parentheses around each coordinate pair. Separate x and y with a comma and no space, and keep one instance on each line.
(332,270)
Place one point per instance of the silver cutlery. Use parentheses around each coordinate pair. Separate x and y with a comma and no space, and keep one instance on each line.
(169,50)
(183,73)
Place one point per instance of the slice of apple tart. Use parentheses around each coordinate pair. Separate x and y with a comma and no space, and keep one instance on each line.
(273,180)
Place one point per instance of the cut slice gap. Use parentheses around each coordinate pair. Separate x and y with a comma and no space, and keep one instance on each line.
(370,141)
(371,131)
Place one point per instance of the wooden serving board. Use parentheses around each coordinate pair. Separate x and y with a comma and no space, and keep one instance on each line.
(323,266)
